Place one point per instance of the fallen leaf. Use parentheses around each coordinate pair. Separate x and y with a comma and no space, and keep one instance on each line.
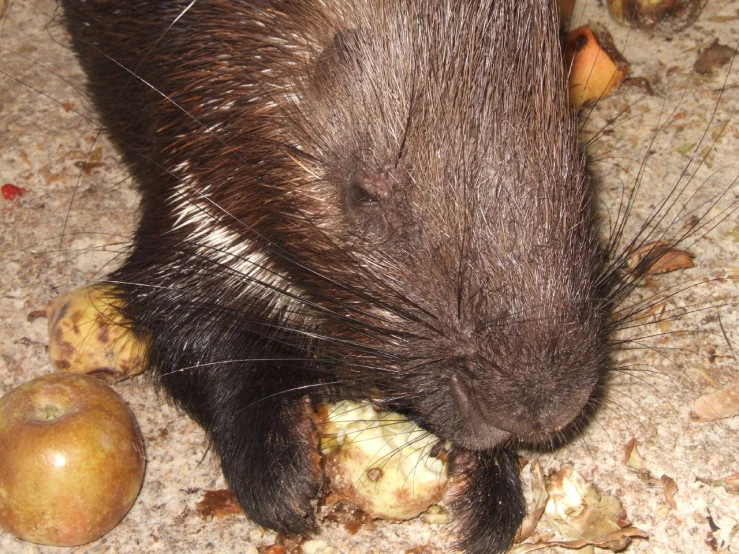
(658,257)
(670,487)
(88,167)
(632,458)
(541,496)
(730,483)
(718,405)
(219,503)
(712,57)
(274,549)
(585,515)
(616,541)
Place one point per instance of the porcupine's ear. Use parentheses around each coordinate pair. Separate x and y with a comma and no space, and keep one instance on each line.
(490,505)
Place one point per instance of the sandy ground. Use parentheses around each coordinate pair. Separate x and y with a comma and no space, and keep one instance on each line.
(70,225)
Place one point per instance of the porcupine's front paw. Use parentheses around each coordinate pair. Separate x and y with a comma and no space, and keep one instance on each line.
(490,506)
(271,462)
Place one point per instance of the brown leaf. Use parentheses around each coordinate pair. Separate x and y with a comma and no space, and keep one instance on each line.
(274,549)
(541,496)
(712,57)
(585,515)
(730,483)
(342,511)
(659,257)
(670,487)
(718,405)
(88,167)
(632,458)
(616,541)
(218,503)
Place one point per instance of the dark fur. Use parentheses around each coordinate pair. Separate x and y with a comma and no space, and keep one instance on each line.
(404,216)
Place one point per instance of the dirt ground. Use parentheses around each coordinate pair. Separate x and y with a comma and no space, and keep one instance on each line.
(72,223)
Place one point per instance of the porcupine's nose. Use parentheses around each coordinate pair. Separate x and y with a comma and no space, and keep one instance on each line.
(495,408)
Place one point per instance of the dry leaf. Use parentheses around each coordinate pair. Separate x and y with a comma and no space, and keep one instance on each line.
(640,83)
(719,404)
(530,522)
(658,257)
(585,515)
(616,541)
(730,483)
(218,503)
(670,487)
(632,458)
(655,313)
(274,549)
(712,57)
(88,167)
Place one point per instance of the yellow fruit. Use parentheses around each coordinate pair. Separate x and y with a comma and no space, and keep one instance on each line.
(87,334)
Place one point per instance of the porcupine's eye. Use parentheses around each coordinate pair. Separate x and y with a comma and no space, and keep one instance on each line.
(371,204)
(366,192)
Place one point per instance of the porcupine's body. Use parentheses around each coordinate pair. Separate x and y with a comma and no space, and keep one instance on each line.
(378,200)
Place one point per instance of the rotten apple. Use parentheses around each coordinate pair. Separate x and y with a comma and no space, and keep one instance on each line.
(71,459)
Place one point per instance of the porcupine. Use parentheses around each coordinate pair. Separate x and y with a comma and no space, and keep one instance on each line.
(355,199)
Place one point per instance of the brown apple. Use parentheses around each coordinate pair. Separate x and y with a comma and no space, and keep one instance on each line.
(71,459)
